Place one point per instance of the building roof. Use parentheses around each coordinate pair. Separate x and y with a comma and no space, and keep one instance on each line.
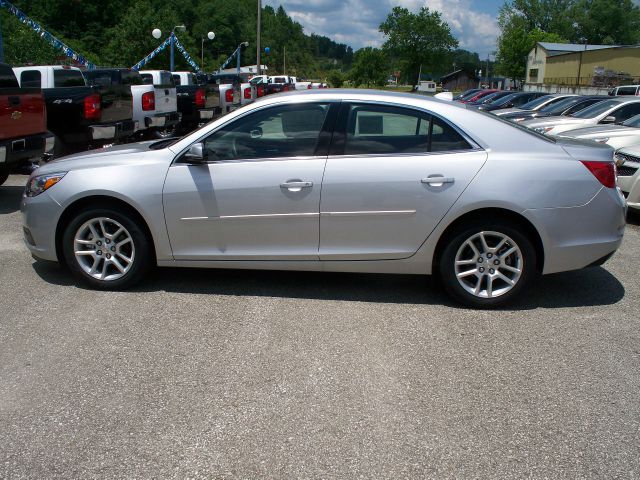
(457,73)
(560,48)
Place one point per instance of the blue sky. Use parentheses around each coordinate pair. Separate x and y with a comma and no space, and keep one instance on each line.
(355,22)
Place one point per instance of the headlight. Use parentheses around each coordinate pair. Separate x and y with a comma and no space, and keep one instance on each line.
(40,183)
(619,159)
(518,120)
(543,130)
(601,140)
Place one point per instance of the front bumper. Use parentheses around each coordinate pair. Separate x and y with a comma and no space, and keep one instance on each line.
(40,216)
(578,237)
(630,186)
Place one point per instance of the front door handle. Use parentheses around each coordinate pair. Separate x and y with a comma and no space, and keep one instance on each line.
(436,181)
(296,186)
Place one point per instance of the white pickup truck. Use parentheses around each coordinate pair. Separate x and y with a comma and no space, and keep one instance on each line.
(299,84)
(165,120)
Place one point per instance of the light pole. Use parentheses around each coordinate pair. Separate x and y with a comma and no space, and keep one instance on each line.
(239,49)
(258,52)
(157,33)
(584,41)
(210,36)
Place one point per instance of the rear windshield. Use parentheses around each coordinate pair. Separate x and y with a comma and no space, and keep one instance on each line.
(30,79)
(131,77)
(493,99)
(7,78)
(519,126)
(505,99)
(68,78)
(536,102)
(561,105)
(595,110)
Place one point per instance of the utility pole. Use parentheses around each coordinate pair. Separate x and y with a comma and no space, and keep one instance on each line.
(259,66)
(487,72)
(284,67)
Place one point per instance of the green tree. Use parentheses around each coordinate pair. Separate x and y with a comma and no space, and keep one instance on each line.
(607,22)
(335,78)
(416,39)
(370,67)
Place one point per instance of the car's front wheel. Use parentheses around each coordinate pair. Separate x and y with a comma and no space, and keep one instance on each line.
(487,265)
(106,248)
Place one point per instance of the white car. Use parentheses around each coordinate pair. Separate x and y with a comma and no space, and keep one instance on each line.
(616,136)
(613,111)
(628,166)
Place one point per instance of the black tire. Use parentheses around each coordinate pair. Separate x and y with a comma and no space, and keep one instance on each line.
(141,260)
(455,242)
(3,177)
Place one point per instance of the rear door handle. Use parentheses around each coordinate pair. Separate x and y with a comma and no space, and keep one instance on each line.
(296,186)
(437,181)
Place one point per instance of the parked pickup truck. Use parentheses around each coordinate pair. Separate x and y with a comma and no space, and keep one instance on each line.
(23,124)
(77,114)
(165,122)
(279,83)
(300,84)
(230,90)
(197,103)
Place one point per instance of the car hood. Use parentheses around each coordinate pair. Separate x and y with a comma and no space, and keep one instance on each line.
(558,120)
(115,155)
(602,131)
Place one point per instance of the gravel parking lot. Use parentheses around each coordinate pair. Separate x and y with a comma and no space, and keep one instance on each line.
(240,374)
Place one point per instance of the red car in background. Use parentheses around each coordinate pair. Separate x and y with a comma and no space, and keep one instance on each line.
(478,96)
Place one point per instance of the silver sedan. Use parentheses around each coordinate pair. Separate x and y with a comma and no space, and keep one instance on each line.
(335,180)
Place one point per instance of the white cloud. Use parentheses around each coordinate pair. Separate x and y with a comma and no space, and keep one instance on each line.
(355,22)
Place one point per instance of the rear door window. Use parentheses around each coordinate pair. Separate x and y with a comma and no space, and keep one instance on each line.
(627,90)
(31,79)
(381,129)
(626,112)
(68,78)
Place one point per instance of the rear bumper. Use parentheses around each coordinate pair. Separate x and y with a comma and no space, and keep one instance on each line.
(18,151)
(113,131)
(162,120)
(578,237)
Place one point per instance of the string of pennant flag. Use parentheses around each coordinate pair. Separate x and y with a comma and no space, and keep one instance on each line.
(164,45)
(45,35)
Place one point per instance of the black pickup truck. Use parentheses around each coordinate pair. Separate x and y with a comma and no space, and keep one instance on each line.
(198,102)
(79,115)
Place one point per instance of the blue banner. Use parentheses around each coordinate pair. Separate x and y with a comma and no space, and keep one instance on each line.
(46,36)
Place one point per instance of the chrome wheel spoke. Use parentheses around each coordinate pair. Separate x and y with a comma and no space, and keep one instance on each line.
(511,269)
(483,240)
(94,266)
(467,273)
(489,286)
(466,262)
(84,252)
(116,263)
(505,278)
(508,252)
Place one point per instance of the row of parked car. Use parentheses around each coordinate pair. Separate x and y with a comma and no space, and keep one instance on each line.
(50,111)
(612,120)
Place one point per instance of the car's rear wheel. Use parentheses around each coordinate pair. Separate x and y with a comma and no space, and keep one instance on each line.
(487,265)
(166,132)
(106,249)
(3,177)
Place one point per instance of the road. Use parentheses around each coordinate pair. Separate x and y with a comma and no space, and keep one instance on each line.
(240,374)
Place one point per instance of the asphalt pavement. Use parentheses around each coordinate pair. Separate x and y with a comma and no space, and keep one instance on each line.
(250,374)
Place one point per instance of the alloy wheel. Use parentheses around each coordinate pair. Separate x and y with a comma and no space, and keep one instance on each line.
(104,249)
(488,264)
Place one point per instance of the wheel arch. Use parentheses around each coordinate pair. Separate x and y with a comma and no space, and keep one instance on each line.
(494,213)
(97,201)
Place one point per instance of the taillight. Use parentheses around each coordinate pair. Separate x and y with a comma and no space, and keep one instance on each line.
(92,107)
(228,96)
(149,101)
(260,91)
(309,87)
(285,88)
(605,172)
(247,93)
(201,99)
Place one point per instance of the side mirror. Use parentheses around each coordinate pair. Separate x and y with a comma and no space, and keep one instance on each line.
(195,154)
(256,132)
(609,119)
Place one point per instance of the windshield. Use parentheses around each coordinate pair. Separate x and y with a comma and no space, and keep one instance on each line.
(632,122)
(595,110)
(256,80)
(531,105)
(493,99)
(469,94)
(487,98)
